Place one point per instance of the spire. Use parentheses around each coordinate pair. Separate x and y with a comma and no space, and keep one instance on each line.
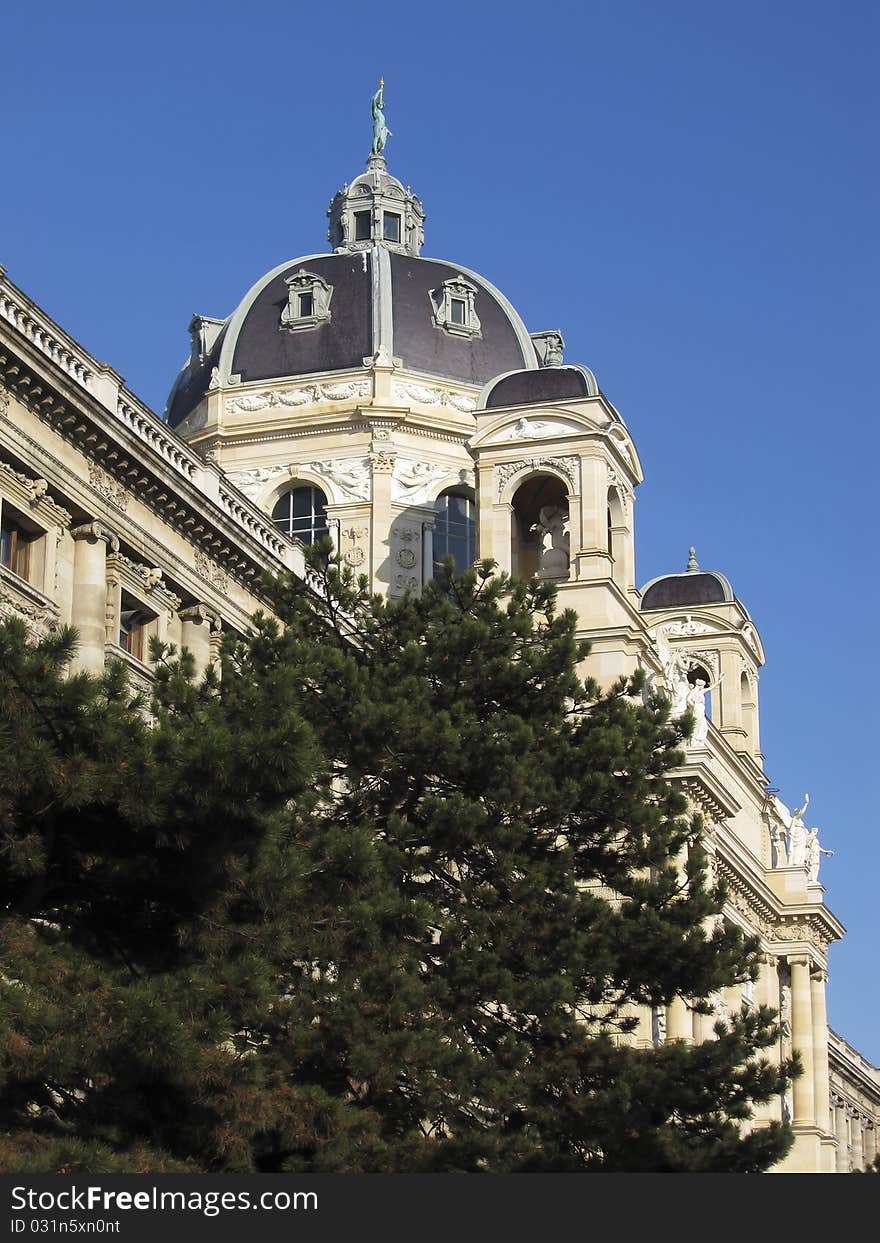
(692,566)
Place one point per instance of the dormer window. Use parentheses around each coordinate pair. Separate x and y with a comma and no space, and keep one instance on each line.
(391,226)
(454,308)
(362,226)
(308,302)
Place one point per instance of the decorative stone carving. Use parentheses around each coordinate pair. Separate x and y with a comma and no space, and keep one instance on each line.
(407,582)
(696,702)
(622,489)
(308,301)
(95,530)
(413,482)
(253,482)
(354,557)
(108,487)
(349,476)
(355,533)
(406,558)
(406,534)
(151,577)
(208,569)
(4,401)
(568,467)
(658,1024)
(249,403)
(548,347)
(683,626)
(428,396)
(382,463)
(534,429)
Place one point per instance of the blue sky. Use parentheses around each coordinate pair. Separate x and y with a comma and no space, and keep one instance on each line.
(688,190)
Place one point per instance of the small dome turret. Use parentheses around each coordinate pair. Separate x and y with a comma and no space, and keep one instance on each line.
(376,210)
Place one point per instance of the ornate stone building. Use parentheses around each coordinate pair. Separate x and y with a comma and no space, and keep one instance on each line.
(400,404)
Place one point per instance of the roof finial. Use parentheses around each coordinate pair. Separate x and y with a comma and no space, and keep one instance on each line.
(692,566)
(381,132)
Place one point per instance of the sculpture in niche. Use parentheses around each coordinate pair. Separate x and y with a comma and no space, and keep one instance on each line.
(785,1011)
(696,701)
(797,837)
(813,854)
(778,858)
(552,525)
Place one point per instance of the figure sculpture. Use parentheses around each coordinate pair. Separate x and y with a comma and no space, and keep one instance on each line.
(381,132)
(813,854)
(797,836)
(552,525)
(785,1012)
(696,701)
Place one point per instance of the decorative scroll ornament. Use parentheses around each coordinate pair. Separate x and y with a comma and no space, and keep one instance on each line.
(4,401)
(565,466)
(614,481)
(311,394)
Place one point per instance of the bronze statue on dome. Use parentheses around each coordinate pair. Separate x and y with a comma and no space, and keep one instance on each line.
(381,132)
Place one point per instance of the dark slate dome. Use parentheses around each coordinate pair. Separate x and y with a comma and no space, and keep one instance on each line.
(689,590)
(373,299)
(524,388)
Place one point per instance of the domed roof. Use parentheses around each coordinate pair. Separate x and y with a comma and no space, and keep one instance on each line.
(530,387)
(379,301)
(689,590)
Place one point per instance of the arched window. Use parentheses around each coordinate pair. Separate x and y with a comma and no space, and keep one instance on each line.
(455,530)
(300,512)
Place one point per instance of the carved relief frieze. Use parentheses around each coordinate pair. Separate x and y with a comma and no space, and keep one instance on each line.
(310,394)
(108,487)
(19,599)
(4,400)
(568,467)
(350,477)
(414,483)
(253,482)
(26,490)
(614,481)
(427,395)
(534,429)
(209,570)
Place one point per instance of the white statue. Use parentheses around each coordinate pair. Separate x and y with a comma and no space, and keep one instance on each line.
(813,852)
(553,527)
(797,837)
(785,1011)
(696,701)
(748,994)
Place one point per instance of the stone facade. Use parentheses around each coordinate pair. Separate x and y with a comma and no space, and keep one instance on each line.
(126,528)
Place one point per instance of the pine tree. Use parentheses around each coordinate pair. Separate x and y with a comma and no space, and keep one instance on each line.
(380,895)
(508,874)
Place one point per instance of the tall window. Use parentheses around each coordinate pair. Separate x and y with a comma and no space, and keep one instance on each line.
(301,513)
(455,531)
(15,544)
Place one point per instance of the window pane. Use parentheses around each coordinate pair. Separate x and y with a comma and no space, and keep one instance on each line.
(457,311)
(455,532)
(361,226)
(300,513)
(392,227)
(306,304)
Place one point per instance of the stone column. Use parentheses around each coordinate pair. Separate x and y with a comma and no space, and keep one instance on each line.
(427,553)
(843,1165)
(382,467)
(820,1051)
(196,623)
(802,1040)
(858,1148)
(679,1021)
(870,1135)
(89,611)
